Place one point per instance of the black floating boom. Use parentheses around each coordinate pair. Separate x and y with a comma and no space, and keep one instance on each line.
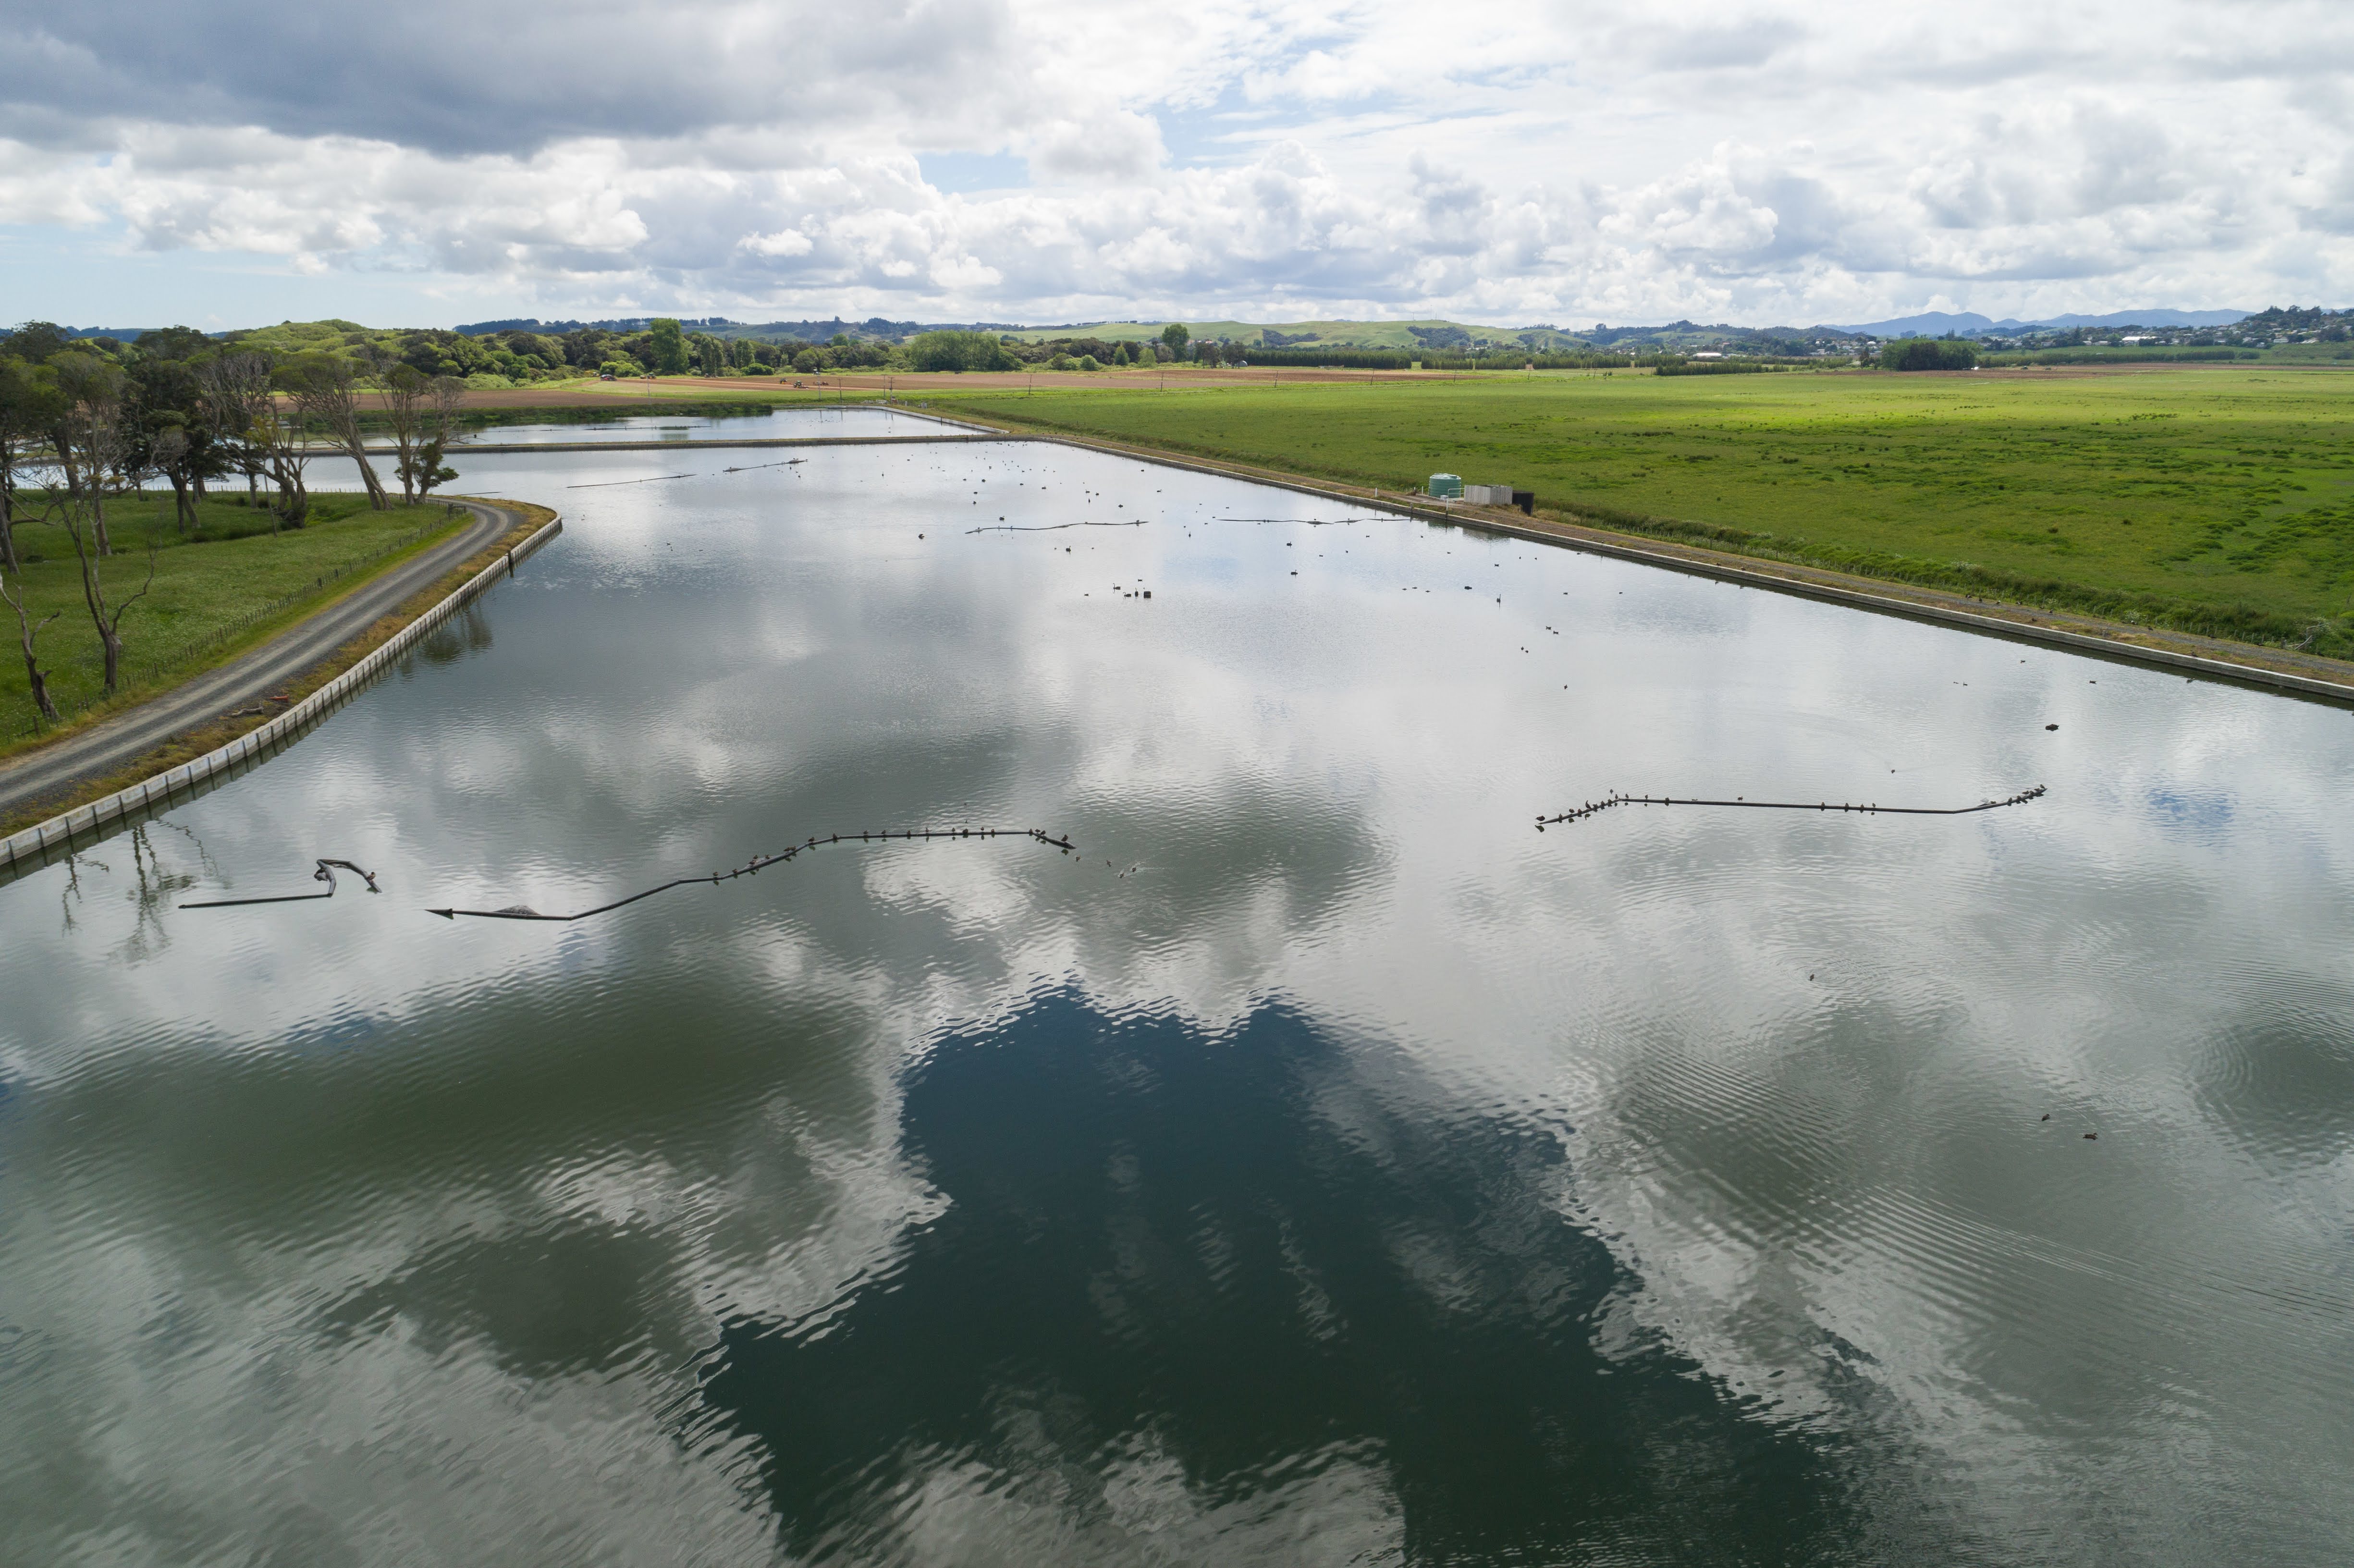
(762,862)
(326,873)
(1590,807)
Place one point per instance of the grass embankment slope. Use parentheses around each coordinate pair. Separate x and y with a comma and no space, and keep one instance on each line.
(2215,500)
(229,588)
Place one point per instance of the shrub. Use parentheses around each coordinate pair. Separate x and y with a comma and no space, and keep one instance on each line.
(1087,362)
(1061,362)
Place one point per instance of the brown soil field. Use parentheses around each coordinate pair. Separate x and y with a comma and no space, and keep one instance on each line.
(620,396)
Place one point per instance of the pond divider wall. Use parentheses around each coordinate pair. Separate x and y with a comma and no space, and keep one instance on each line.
(520,448)
(46,842)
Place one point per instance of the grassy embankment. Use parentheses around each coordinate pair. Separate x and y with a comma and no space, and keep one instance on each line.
(2213,499)
(233,586)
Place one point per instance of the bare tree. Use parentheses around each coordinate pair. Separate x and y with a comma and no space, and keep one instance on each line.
(107,618)
(233,387)
(29,631)
(325,387)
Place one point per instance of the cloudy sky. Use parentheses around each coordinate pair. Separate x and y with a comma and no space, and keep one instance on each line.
(1560,160)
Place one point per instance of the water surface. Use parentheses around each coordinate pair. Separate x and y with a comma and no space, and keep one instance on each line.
(1322,1166)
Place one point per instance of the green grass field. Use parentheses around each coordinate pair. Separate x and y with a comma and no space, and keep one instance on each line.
(211,598)
(2216,499)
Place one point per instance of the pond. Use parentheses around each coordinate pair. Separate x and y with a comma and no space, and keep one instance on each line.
(1317,1165)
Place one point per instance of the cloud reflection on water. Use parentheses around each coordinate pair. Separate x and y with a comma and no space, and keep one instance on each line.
(307,1199)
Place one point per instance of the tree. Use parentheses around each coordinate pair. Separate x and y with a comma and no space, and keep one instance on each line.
(957,351)
(29,631)
(36,341)
(668,347)
(238,399)
(107,619)
(423,468)
(1176,335)
(30,406)
(234,390)
(1929,354)
(89,438)
(406,390)
(173,343)
(178,441)
(326,387)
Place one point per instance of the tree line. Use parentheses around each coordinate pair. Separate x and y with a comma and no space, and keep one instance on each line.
(1929,354)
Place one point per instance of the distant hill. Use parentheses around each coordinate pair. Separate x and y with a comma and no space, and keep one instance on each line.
(1432,333)
(2151,318)
(872,329)
(120,334)
(1968,323)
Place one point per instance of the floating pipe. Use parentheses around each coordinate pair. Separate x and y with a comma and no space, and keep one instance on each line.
(1053,527)
(325,874)
(1590,807)
(756,863)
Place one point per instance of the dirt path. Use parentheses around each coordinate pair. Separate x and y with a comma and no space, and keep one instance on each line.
(114,743)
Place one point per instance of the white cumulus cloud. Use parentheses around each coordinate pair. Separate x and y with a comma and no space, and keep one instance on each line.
(1583,160)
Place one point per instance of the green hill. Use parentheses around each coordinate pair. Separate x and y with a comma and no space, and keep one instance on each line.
(1431,333)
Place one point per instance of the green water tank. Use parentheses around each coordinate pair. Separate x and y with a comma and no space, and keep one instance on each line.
(1446,486)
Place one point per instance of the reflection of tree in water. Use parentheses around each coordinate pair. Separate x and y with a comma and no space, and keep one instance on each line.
(155,889)
(155,886)
(467,631)
(204,856)
(71,894)
(1243,1254)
